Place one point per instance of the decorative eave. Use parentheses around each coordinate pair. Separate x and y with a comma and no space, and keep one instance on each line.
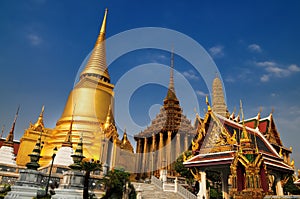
(210,159)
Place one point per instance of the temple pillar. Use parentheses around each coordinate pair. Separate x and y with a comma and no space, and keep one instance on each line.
(105,151)
(153,149)
(145,154)
(168,153)
(186,142)
(160,151)
(202,186)
(177,145)
(224,178)
(114,153)
(279,189)
(139,156)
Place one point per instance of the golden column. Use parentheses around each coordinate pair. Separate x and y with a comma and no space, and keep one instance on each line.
(153,149)
(178,147)
(139,156)
(160,148)
(168,153)
(186,142)
(145,154)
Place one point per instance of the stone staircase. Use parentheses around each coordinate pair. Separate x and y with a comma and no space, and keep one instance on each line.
(150,191)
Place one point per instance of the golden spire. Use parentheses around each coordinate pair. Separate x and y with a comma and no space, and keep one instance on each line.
(68,140)
(124,139)
(40,121)
(171,90)
(244,136)
(10,137)
(96,65)
(101,36)
(207,103)
(258,117)
(109,118)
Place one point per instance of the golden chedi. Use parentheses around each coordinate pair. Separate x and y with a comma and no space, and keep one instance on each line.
(88,103)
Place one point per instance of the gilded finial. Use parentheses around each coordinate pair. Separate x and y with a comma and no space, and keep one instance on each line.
(207,103)
(40,121)
(68,140)
(195,110)
(280,152)
(259,113)
(101,37)
(244,136)
(232,116)
(242,112)
(171,90)
(10,137)
(293,163)
(2,131)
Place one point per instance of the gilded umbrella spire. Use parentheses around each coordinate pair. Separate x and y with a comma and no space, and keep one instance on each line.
(96,65)
(171,90)
(10,137)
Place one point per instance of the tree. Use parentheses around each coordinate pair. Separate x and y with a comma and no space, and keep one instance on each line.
(89,165)
(4,189)
(115,181)
(290,187)
(182,170)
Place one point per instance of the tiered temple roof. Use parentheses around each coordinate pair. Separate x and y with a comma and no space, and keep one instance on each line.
(170,117)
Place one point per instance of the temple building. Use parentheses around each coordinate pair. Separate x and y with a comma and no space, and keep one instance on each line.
(89,111)
(169,130)
(248,155)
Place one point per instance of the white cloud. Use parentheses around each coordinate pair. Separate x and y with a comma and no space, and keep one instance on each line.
(274,69)
(34,39)
(230,79)
(264,78)
(274,94)
(201,93)
(217,51)
(190,74)
(294,68)
(279,72)
(254,48)
(265,63)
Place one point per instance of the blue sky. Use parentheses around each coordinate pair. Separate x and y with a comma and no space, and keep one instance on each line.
(255,45)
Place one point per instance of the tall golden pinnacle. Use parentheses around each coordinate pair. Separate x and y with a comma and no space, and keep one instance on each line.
(96,65)
(171,90)
(10,137)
